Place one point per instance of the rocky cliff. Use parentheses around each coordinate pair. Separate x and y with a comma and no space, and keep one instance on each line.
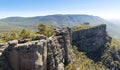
(98,46)
(26,56)
(55,52)
(91,39)
(59,52)
(42,54)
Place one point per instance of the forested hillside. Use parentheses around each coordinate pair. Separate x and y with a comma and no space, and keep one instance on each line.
(30,23)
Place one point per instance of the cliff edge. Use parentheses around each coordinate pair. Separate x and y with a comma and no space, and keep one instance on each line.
(57,52)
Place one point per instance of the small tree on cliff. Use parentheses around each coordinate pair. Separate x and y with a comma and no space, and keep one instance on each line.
(24,34)
(41,28)
(45,29)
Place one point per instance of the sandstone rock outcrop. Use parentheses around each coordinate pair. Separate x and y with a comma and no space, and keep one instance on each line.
(59,53)
(52,53)
(91,39)
(41,54)
(27,56)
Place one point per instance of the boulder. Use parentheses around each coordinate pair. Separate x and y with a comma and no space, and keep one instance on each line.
(13,42)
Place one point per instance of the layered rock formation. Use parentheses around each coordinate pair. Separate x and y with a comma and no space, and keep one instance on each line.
(52,53)
(59,52)
(91,39)
(27,56)
(42,54)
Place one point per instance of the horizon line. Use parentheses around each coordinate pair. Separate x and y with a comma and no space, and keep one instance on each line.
(49,15)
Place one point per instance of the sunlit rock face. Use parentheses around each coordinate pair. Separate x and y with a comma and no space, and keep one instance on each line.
(27,56)
(59,52)
(51,53)
(91,39)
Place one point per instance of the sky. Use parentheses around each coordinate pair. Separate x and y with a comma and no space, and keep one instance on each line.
(109,9)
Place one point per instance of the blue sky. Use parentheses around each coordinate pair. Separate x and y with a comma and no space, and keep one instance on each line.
(29,8)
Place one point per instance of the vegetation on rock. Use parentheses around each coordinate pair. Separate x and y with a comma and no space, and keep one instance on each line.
(111,56)
(108,53)
(82,26)
(43,29)
(46,30)
(81,61)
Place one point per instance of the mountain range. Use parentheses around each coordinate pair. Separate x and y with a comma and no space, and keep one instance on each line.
(31,23)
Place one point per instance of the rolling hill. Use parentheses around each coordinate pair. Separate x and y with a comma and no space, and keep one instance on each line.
(31,23)
(59,20)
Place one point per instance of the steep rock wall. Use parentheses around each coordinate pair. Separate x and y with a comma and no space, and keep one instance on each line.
(27,56)
(52,53)
(91,39)
(59,52)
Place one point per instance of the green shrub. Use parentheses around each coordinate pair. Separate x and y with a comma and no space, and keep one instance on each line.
(24,34)
(41,28)
(46,30)
(82,26)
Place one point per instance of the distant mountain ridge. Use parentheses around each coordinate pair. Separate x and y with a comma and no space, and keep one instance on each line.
(66,20)
(31,23)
